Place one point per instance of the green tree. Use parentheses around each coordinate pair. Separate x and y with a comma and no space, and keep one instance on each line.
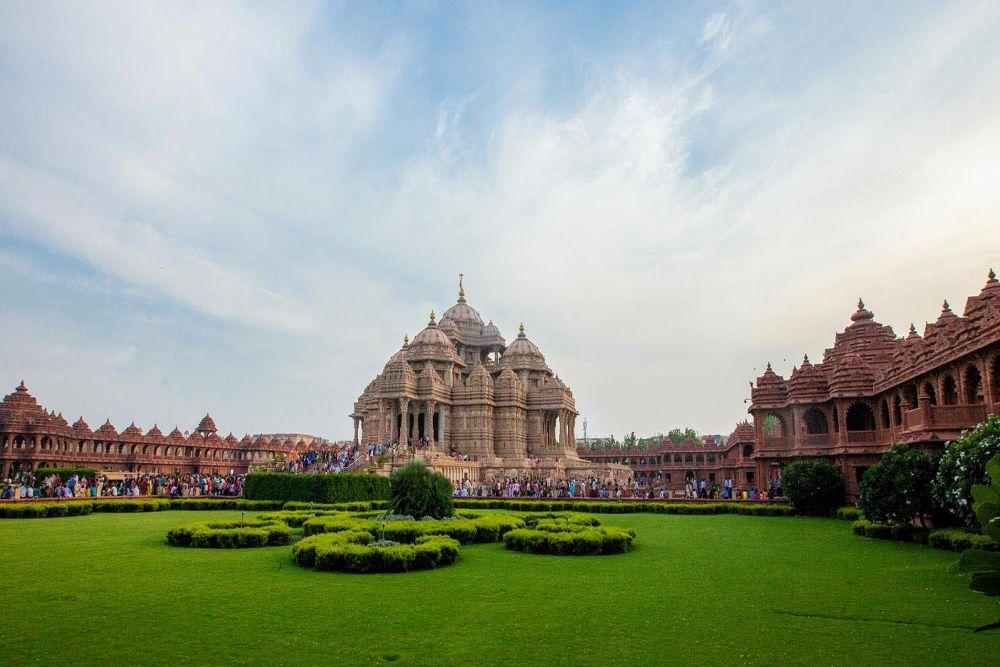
(676,436)
(963,465)
(814,486)
(418,492)
(898,487)
(691,435)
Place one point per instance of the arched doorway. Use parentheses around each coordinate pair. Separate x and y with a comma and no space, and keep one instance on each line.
(949,391)
(886,416)
(973,386)
(815,421)
(860,417)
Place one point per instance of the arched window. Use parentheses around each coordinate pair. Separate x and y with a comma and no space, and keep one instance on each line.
(688,458)
(774,426)
(949,392)
(929,390)
(678,458)
(747,450)
(886,417)
(815,421)
(973,386)
(18,442)
(860,417)
(700,458)
(897,410)
(995,378)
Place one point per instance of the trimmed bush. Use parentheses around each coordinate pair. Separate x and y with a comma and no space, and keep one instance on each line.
(295,519)
(131,506)
(324,488)
(44,510)
(417,491)
(848,513)
(568,539)
(357,506)
(963,466)
(230,534)
(814,486)
(881,531)
(898,487)
(355,551)
(957,539)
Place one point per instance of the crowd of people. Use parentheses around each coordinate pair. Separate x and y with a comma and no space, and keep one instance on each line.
(324,458)
(335,458)
(635,488)
(26,484)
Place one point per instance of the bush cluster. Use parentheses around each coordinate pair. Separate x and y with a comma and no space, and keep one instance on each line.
(848,513)
(963,466)
(562,537)
(323,488)
(883,531)
(612,507)
(898,487)
(230,534)
(356,506)
(355,551)
(464,530)
(957,539)
(145,504)
(417,491)
(814,486)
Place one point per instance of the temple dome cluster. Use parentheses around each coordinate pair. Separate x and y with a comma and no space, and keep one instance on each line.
(458,389)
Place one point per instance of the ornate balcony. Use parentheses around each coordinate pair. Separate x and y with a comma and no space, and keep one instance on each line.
(943,417)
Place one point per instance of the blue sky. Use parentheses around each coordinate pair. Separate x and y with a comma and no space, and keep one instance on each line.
(243,207)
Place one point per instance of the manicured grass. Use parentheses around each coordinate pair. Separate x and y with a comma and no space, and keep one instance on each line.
(107,589)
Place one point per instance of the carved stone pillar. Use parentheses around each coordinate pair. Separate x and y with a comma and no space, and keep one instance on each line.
(356,421)
(429,422)
(404,421)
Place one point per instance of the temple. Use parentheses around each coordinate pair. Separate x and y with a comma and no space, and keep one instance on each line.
(476,407)
(32,437)
(874,389)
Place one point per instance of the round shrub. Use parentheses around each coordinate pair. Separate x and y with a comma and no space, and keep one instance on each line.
(898,487)
(963,465)
(814,486)
(357,552)
(416,491)
(230,534)
(564,537)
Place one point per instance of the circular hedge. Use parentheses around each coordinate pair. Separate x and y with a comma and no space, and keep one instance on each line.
(469,530)
(357,551)
(230,534)
(570,537)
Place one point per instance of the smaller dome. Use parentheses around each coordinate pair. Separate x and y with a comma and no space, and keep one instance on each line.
(862,314)
(154,432)
(206,425)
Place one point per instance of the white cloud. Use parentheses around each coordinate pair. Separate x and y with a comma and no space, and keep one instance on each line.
(663,228)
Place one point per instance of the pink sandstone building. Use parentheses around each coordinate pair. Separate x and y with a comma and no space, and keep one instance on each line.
(32,437)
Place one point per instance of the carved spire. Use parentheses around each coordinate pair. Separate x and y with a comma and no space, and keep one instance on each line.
(433,316)
(520,329)
(861,304)
(406,340)
(461,288)
(21,389)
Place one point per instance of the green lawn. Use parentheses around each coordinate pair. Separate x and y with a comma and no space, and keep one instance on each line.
(698,589)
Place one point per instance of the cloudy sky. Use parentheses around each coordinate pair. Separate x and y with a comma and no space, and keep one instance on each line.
(242,208)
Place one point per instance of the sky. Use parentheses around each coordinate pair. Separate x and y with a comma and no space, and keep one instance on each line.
(242,208)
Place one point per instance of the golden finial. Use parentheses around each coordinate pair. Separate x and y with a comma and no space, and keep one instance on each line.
(432,315)
(461,288)
(406,339)
(521,328)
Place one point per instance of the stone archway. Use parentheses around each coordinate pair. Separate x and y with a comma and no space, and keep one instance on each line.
(973,386)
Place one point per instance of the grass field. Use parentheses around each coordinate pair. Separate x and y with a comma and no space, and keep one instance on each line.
(105,588)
